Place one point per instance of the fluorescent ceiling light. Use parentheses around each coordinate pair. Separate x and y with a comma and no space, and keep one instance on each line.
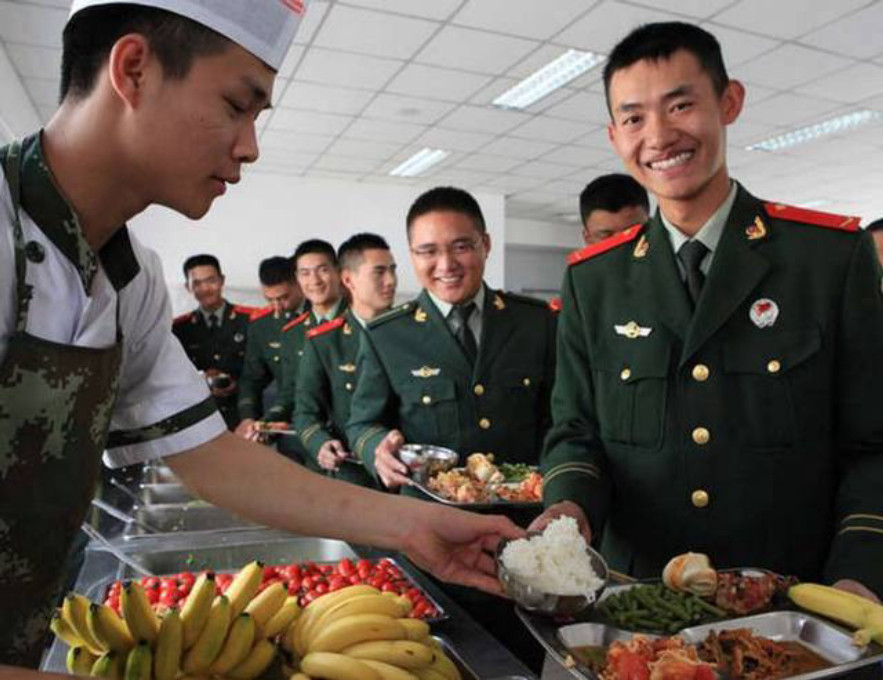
(553,75)
(419,162)
(806,134)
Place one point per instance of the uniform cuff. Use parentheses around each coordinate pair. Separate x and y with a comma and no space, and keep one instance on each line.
(365,445)
(313,438)
(857,552)
(580,483)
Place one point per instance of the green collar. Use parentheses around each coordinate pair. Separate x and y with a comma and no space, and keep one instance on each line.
(43,201)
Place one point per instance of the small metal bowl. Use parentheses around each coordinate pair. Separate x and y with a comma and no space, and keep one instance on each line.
(425,460)
(551,604)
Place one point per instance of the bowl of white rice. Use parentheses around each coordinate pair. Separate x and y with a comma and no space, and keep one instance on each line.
(554,572)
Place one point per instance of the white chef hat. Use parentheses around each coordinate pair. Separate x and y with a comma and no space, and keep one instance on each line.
(263,27)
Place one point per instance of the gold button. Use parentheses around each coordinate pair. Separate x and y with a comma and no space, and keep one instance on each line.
(700,498)
(774,366)
(478,389)
(626,374)
(700,372)
(426,399)
(484,424)
(276,359)
(217,357)
(349,386)
(526,382)
(701,436)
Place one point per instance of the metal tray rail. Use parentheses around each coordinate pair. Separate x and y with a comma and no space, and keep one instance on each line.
(160,493)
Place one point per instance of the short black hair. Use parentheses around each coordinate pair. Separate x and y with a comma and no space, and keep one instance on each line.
(201,260)
(276,270)
(446,199)
(658,42)
(314,246)
(612,192)
(91,33)
(350,253)
(876,225)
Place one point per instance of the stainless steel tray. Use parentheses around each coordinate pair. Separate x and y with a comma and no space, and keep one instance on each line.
(159,493)
(156,473)
(193,517)
(486,505)
(823,637)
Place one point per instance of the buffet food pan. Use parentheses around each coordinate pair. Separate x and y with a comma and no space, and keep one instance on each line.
(159,474)
(162,493)
(196,516)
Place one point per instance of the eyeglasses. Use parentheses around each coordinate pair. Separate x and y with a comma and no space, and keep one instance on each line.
(456,249)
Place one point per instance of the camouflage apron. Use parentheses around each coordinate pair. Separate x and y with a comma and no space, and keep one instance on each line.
(55,406)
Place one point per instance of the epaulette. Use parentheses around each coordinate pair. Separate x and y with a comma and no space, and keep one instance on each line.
(243,309)
(325,327)
(393,313)
(818,219)
(555,304)
(608,243)
(260,313)
(526,299)
(184,318)
(295,321)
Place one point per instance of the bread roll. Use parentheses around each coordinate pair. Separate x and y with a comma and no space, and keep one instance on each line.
(691,573)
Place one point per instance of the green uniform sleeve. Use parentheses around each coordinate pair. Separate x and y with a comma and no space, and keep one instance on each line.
(372,411)
(312,409)
(256,375)
(573,461)
(857,548)
(283,409)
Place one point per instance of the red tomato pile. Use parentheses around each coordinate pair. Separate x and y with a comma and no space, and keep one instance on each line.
(307,580)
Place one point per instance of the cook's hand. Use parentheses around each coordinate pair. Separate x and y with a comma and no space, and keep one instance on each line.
(246,429)
(562,509)
(331,454)
(856,588)
(392,472)
(457,546)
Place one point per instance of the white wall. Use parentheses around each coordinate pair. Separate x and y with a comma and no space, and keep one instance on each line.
(270,214)
(18,116)
(522,232)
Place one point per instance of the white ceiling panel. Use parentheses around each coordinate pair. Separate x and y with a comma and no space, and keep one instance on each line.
(546,54)
(384,131)
(325,98)
(525,18)
(292,57)
(579,156)
(456,140)
(316,10)
(358,148)
(471,50)
(282,157)
(419,80)
(606,24)
(788,109)
(368,32)
(785,18)
(460,178)
(856,35)
(523,149)
(488,163)
(35,62)
(31,24)
(790,65)
(552,129)
(542,170)
(308,122)
(434,9)
(407,109)
(696,9)
(849,85)
(739,46)
(581,106)
(596,139)
(294,141)
(482,119)
(744,132)
(346,163)
(512,183)
(754,94)
(43,92)
(328,67)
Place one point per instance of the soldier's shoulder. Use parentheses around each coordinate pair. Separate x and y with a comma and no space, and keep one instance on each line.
(326,327)
(519,300)
(243,312)
(181,320)
(260,313)
(608,244)
(295,322)
(815,218)
(398,312)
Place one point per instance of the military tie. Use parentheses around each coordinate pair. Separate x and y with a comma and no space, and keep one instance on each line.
(212,322)
(691,255)
(464,334)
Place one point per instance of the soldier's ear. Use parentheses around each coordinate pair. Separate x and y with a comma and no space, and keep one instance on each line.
(732,101)
(130,64)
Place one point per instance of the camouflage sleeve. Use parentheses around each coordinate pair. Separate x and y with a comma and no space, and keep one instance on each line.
(370,414)
(256,375)
(312,402)
(168,426)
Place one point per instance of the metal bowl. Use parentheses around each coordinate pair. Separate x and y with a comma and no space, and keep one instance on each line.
(552,604)
(425,460)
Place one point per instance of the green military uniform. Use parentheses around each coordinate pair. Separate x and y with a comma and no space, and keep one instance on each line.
(222,348)
(326,381)
(748,430)
(414,376)
(263,360)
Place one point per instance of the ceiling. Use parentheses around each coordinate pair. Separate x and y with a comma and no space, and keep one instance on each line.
(370,82)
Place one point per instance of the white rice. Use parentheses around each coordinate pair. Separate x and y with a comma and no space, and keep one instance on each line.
(555,561)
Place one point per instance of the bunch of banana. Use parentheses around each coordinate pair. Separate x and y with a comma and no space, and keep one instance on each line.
(853,610)
(230,636)
(358,633)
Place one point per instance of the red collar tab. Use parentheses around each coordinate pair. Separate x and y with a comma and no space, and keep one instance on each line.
(260,313)
(555,304)
(819,219)
(608,243)
(325,327)
(295,321)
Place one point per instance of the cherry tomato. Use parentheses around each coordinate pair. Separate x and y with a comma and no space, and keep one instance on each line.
(389,588)
(269,572)
(345,567)
(307,582)
(355,579)
(153,595)
(320,588)
(337,582)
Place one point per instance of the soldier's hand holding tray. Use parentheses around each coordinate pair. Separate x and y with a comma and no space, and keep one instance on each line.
(564,508)
(392,472)
(331,454)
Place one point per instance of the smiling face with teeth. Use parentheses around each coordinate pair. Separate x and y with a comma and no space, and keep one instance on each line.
(669,128)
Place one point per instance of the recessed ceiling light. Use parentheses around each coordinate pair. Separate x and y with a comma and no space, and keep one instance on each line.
(549,78)
(806,134)
(419,162)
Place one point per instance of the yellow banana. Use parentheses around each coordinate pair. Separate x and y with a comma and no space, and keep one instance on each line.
(199,657)
(74,610)
(244,586)
(139,664)
(79,661)
(443,665)
(429,674)
(196,608)
(351,630)
(139,616)
(856,611)
(108,628)
(402,653)
(281,621)
(169,646)
(299,676)
(332,666)
(314,611)
(364,604)
(64,631)
(416,629)
(110,665)
(237,646)
(257,661)
(405,603)
(266,604)
(388,671)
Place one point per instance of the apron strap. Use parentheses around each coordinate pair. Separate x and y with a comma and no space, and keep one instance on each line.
(12,168)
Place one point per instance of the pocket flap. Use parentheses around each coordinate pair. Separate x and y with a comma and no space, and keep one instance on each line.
(772,353)
(428,391)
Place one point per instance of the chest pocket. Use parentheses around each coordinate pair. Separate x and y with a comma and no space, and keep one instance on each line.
(631,379)
(429,410)
(770,375)
(515,396)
